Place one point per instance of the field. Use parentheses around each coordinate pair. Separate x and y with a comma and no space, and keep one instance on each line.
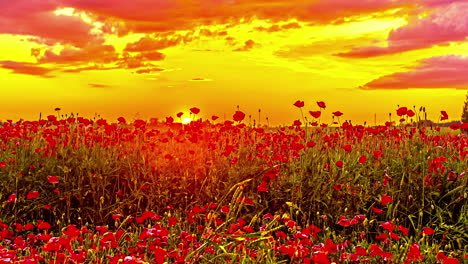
(78,190)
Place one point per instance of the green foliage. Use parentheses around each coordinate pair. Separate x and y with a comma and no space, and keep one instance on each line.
(99,178)
(464,117)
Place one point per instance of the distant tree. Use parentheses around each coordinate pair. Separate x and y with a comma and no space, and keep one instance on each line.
(464,118)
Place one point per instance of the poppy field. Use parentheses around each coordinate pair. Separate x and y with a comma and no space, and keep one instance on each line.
(80,190)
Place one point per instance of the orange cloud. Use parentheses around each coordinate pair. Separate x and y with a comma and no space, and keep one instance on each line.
(436,72)
(26,68)
(152,44)
(96,85)
(90,53)
(90,68)
(168,15)
(37,19)
(448,24)
(149,70)
(248,45)
(276,27)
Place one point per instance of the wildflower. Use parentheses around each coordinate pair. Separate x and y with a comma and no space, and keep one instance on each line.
(321,104)
(315,114)
(362,159)
(337,113)
(194,110)
(53,179)
(238,116)
(386,199)
(427,231)
(444,115)
(32,195)
(12,198)
(299,104)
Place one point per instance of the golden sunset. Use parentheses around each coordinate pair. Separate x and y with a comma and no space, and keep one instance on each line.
(144,59)
(233,131)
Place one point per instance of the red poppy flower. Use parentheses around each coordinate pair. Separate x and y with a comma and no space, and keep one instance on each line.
(337,113)
(347,147)
(344,222)
(194,110)
(41,225)
(32,195)
(262,187)
(378,154)
(377,210)
(444,115)
(337,187)
(382,236)
(246,200)
(386,199)
(121,120)
(315,114)
(403,230)
(214,118)
(172,221)
(360,251)
(3,164)
(225,209)
(238,116)
(321,104)
(427,231)
(410,113)
(339,163)
(299,104)
(179,114)
(455,126)
(362,159)
(12,198)
(389,226)
(402,111)
(53,179)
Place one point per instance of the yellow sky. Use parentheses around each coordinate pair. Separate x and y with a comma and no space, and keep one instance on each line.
(254,63)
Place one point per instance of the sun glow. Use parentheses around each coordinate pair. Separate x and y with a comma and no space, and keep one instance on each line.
(186,120)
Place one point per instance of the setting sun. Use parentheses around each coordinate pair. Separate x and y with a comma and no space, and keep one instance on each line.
(186,120)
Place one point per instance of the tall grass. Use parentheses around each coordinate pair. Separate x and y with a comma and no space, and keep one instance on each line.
(272,180)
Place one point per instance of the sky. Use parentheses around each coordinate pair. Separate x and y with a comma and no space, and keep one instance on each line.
(154,58)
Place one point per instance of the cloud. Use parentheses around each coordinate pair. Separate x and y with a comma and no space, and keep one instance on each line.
(87,54)
(37,19)
(149,70)
(26,68)
(276,27)
(146,16)
(90,68)
(335,11)
(200,80)
(209,33)
(248,45)
(448,24)
(148,43)
(436,72)
(95,85)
